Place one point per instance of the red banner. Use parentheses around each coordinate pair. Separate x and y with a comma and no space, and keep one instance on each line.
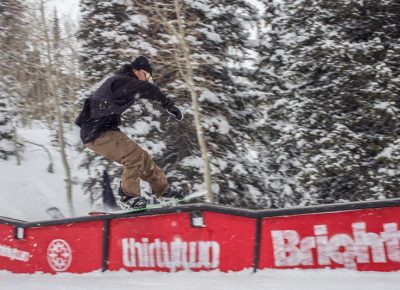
(364,239)
(169,243)
(75,248)
(361,239)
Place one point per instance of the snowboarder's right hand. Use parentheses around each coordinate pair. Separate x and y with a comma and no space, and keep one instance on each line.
(174,111)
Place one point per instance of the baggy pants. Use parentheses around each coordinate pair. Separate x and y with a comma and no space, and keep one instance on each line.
(137,163)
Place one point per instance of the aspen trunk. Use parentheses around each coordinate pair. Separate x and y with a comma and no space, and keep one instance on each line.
(53,88)
(185,68)
(15,141)
(189,81)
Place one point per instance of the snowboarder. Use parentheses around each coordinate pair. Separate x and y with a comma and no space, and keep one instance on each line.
(100,119)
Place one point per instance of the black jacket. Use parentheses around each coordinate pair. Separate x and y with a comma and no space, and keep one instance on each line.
(102,111)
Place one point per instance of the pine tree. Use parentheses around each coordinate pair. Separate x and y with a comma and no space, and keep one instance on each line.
(110,35)
(273,123)
(242,180)
(6,132)
(12,33)
(335,101)
(12,47)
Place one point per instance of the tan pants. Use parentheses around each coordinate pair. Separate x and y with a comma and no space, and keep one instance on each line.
(137,163)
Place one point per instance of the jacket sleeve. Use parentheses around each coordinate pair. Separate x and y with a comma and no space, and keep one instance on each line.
(129,90)
(84,115)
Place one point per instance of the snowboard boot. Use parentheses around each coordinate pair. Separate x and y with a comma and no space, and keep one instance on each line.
(130,202)
(173,194)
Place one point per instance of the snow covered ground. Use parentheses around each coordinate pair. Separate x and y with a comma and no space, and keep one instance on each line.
(28,190)
(245,280)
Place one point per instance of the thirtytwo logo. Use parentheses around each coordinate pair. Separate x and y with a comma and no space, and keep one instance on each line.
(348,250)
(59,255)
(170,255)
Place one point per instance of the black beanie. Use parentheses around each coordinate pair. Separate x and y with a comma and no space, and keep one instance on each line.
(142,63)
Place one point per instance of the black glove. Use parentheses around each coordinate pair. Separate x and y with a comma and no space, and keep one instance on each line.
(174,111)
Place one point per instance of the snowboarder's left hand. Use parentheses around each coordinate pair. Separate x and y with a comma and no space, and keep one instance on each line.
(174,111)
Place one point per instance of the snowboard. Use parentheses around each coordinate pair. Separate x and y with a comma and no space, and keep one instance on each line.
(148,207)
(164,204)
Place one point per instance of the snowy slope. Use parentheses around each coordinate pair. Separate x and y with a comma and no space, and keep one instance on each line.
(245,280)
(26,191)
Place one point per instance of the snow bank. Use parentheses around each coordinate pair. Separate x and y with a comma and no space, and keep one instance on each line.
(245,280)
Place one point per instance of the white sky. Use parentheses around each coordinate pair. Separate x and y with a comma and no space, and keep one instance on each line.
(68,8)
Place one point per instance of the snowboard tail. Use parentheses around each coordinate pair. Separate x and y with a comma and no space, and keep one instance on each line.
(166,204)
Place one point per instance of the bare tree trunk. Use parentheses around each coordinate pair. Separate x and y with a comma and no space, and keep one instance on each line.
(50,167)
(53,88)
(12,104)
(61,140)
(185,67)
(16,144)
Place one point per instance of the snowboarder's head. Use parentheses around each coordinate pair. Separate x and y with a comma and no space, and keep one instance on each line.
(142,68)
